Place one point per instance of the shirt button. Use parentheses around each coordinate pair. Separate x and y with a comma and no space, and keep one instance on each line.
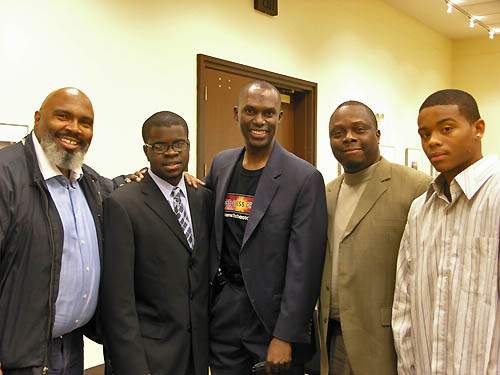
(83,242)
(87,269)
(84,296)
(76,321)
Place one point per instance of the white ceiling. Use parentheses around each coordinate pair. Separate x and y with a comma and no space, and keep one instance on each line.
(455,25)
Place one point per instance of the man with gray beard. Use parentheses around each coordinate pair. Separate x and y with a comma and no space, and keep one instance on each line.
(50,240)
(69,161)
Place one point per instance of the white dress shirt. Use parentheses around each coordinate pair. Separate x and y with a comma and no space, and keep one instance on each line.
(446,312)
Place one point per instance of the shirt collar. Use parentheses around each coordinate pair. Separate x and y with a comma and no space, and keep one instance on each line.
(48,168)
(166,186)
(469,180)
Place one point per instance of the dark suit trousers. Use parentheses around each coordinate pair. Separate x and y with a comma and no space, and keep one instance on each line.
(238,340)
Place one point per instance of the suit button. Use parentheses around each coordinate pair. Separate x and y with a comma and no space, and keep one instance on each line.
(189,329)
(327,287)
(325,320)
(190,295)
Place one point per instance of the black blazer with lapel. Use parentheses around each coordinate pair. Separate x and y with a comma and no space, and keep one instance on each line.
(154,292)
(283,247)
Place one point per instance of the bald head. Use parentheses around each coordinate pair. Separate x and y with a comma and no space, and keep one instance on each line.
(258,85)
(64,127)
(67,93)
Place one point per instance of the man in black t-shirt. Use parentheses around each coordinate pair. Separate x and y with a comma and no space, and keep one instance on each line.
(237,208)
(270,237)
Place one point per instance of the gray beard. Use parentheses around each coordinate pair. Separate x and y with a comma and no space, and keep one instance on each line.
(61,158)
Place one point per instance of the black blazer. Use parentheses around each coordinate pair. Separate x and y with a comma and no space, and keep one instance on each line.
(284,244)
(154,292)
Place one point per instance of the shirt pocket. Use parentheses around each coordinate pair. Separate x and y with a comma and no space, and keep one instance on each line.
(479,260)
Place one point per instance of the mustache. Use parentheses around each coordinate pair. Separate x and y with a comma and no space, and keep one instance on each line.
(64,133)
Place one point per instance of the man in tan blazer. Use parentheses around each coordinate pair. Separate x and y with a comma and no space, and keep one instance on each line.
(367,210)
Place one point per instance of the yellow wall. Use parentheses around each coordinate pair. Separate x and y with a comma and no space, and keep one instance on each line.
(137,57)
(476,67)
(134,58)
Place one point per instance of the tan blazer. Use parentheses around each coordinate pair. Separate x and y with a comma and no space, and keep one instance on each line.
(367,267)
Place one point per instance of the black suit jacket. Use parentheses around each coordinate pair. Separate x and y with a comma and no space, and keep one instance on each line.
(283,247)
(154,293)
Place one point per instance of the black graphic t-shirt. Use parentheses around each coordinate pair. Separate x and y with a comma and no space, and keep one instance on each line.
(237,208)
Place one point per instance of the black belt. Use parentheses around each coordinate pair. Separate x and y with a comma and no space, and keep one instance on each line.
(234,278)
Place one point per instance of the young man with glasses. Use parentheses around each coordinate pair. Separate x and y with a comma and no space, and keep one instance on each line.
(155,279)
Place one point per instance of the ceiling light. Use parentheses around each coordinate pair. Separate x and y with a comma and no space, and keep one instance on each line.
(473,20)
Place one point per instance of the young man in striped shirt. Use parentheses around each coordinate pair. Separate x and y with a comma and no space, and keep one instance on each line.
(446,305)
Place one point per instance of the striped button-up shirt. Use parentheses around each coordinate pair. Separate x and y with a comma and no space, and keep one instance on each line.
(446,312)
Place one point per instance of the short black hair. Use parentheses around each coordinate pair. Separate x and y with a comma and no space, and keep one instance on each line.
(371,115)
(262,85)
(163,118)
(467,105)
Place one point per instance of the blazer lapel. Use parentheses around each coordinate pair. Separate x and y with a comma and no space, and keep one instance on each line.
(220,194)
(373,190)
(266,189)
(157,202)
(332,193)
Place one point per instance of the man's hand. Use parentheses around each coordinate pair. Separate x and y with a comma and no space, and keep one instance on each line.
(136,176)
(279,357)
(192,181)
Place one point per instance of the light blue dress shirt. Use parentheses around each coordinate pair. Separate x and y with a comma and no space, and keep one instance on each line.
(80,266)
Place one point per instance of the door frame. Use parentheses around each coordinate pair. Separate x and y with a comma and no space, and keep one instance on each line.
(305,108)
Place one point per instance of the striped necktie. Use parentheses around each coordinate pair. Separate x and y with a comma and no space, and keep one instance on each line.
(181,214)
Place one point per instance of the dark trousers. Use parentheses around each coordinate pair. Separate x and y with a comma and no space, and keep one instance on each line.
(338,360)
(238,340)
(65,357)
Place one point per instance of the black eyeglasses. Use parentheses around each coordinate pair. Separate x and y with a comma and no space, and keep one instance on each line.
(161,148)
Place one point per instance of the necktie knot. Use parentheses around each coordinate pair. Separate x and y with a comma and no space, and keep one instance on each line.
(176,192)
